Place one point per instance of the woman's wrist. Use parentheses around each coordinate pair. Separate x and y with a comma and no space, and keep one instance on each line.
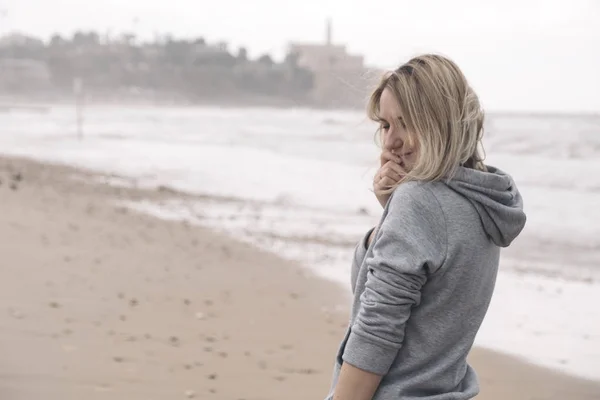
(371,236)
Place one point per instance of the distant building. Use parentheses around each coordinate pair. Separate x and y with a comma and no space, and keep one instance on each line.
(341,79)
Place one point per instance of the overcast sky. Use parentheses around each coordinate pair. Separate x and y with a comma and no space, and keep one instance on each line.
(519,54)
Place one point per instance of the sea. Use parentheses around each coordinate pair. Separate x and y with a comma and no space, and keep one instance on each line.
(297,182)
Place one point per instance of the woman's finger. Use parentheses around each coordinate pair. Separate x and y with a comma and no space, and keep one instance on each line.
(391,173)
(387,155)
(386,183)
(390,165)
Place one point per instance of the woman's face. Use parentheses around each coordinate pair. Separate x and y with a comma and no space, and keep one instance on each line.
(393,130)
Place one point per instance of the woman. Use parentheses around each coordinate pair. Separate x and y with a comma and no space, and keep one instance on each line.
(423,279)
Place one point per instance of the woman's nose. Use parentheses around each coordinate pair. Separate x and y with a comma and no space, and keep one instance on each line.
(392,143)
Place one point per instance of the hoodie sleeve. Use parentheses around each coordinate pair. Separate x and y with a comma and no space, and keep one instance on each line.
(409,246)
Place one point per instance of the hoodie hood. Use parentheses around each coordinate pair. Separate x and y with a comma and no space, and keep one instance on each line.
(496,198)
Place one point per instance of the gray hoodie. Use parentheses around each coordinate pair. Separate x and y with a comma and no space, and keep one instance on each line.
(423,286)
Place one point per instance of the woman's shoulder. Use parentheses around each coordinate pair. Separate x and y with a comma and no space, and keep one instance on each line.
(417,194)
(415,209)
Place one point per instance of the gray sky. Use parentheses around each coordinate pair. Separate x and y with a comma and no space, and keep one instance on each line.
(519,55)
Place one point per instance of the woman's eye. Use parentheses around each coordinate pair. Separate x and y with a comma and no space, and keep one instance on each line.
(385,127)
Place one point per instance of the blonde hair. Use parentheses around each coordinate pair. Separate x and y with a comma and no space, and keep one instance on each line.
(442,114)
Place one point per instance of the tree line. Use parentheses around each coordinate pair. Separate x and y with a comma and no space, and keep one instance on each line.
(189,68)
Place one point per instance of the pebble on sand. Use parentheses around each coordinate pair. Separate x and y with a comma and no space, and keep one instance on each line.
(174,341)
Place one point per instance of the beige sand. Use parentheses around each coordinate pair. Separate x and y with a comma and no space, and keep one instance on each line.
(101,303)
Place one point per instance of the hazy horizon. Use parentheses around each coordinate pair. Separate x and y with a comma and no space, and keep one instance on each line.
(532,56)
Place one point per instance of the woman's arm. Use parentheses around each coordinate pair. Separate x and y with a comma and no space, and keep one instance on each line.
(355,384)
(409,245)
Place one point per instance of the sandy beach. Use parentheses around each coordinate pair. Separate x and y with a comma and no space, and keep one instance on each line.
(100,302)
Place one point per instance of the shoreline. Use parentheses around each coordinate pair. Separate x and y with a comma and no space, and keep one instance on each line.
(45,105)
(105,262)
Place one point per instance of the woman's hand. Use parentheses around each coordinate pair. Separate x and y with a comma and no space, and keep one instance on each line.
(390,172)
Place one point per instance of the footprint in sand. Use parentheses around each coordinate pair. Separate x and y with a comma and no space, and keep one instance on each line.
(69,348)
(301,371)
(103,387)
